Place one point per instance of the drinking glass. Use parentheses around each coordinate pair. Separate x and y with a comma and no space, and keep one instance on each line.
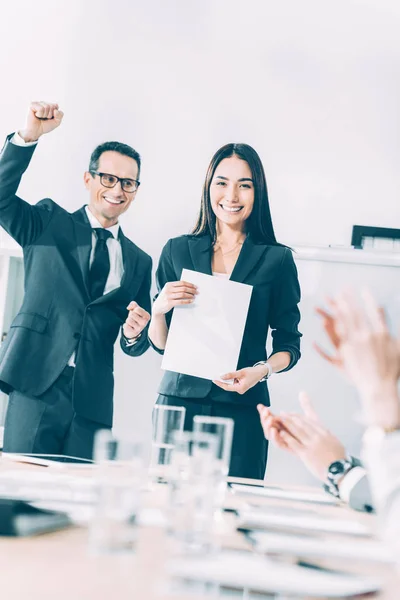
(119,480)
(167,420)
(222,428)
(192,491)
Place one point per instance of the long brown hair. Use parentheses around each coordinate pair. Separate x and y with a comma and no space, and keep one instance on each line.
(259,224)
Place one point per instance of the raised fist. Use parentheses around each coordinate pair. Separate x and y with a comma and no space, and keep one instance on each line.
(42,118)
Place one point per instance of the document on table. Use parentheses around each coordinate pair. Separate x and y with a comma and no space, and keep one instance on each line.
(237,570)
(276,492)
(205,337)
(259,519)
(55,461)
(317,547)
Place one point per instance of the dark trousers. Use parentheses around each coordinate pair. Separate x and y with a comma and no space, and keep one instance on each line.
(249,446)
(48,425)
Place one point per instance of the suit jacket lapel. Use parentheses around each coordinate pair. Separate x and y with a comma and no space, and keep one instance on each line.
(248,258)
(200,253)
(130,258)
(250,254)
(83,233)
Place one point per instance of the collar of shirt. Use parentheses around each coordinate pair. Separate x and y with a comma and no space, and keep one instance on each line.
(94,223)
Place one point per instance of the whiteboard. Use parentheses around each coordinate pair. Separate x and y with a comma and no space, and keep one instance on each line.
(324,272)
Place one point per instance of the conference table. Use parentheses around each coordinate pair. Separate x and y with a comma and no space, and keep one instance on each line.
(58,566)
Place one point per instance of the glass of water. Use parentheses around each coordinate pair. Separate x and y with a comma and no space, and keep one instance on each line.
(167,420)
(192,491)
(222,429)
(119,479)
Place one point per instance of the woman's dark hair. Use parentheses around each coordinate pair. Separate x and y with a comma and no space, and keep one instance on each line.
(259,224)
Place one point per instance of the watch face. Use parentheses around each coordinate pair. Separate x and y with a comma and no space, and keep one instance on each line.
(336,468)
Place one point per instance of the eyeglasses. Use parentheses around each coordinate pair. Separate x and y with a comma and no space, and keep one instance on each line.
(110,181)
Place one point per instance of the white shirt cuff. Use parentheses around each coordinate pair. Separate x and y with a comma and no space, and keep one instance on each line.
(133,341)
(349,481)
(18,141)
(381,456)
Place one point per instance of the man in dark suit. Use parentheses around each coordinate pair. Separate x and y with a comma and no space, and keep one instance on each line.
(82,275)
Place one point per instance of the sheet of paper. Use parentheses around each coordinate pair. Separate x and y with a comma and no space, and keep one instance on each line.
(58,461)
(260,574)
(47,485)
(305,546)
(81,514)
(258,519)
(205,337)
(276,492)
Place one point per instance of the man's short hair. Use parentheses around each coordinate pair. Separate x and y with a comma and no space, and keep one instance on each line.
(123,149)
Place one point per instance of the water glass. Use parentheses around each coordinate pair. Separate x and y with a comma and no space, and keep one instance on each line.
(191,504)
(119,479)
(167,420)
(222,428)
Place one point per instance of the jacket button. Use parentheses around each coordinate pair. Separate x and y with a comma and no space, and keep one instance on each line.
(77,336)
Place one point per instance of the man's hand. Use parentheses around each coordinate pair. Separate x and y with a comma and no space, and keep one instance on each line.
(243,380)
(136,321)
(304,436)
(174,293)
(42,118)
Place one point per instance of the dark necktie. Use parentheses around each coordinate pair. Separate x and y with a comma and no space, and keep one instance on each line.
(100,267)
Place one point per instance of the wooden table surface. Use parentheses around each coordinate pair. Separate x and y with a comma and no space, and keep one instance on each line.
(58,566)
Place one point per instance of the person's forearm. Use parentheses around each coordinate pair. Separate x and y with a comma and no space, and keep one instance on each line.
(279,361)
(382,406)
(27,137)
(158,331)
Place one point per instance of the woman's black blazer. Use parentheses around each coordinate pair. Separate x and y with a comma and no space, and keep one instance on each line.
(274,305)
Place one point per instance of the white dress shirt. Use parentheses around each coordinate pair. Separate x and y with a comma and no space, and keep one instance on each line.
(113,244)
(381,455)
(114,250)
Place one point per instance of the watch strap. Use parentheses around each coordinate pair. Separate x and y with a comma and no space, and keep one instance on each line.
(332,479)
(268,375)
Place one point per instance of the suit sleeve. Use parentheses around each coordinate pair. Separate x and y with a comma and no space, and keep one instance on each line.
(144,300)
(165,273)
(285,314)
(24,222)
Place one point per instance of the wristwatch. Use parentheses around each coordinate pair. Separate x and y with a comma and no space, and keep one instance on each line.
(268,375)
(336,471)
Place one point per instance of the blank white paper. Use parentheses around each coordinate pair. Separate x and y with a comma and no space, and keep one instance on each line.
(284,494)
(258,519)
(205,337)
(260,574)
(317,547)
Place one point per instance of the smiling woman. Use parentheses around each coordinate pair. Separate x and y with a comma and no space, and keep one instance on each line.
(233,238)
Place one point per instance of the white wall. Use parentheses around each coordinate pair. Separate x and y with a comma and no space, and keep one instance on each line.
(313,85)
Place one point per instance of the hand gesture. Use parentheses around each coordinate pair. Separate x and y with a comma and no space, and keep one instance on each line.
(136,321)
(243,380)
(174,293)
(304,436)
(329,324)
(371,357)
(42,118)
